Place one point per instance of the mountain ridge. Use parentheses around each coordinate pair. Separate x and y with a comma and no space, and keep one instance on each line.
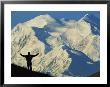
(25,38)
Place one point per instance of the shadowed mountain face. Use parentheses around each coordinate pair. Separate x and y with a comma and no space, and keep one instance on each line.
(17,71)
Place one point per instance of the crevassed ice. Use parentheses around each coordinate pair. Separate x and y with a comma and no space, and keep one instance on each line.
(23,40)
(81,38)
(77,35)
(54,62)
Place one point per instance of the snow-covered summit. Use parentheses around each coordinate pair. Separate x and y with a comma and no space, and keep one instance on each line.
(40,21)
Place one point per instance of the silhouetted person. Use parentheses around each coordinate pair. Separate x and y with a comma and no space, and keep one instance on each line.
(28,59)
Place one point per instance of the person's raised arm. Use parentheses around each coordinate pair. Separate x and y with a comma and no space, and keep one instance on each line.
(35,55)
(22,55)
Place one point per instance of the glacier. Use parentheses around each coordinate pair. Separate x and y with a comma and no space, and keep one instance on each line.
(47,36)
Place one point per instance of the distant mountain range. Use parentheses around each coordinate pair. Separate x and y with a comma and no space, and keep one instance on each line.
(66,47)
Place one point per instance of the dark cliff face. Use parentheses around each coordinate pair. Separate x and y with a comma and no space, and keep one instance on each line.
(17,71)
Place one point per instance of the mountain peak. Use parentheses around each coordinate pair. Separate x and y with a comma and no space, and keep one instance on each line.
(40,21)
(83,17)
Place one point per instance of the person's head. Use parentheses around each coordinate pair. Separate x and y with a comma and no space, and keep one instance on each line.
(28,53)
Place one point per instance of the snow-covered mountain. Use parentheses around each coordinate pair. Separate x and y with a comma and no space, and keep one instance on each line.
(40,21)
(23,40)
(56,41)
(76,35)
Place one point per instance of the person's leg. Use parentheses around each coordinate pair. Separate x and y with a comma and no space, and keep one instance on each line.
(30,66)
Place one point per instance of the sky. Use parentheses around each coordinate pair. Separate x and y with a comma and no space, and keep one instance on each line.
(23,16)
